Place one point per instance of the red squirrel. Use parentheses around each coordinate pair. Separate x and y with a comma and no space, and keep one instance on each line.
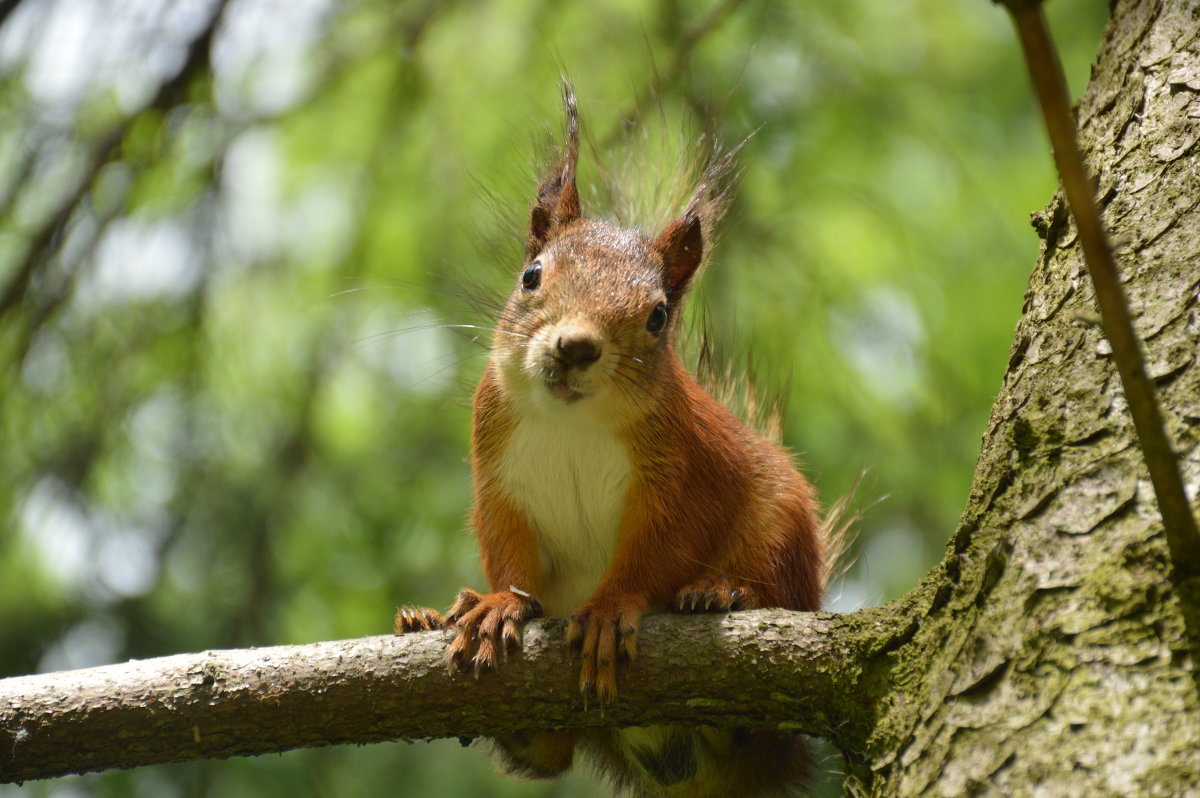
(608,483)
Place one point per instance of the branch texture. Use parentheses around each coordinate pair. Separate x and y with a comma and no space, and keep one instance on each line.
(762,669)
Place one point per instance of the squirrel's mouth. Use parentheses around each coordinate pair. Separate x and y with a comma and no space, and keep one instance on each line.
(561,390)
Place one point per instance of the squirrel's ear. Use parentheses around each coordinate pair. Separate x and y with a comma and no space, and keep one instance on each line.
(681,246)
(557,202)
(687,240)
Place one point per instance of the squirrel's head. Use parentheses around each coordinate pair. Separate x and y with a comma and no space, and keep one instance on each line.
(595,308)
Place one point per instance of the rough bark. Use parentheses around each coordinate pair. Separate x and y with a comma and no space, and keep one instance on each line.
(1064,644)
(763,669)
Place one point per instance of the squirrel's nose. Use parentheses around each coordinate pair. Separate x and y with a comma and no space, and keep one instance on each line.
(577,350)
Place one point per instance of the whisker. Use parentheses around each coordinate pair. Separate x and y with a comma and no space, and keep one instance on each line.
(628,391)
(642,372)
(642,385)
(382,287)
(445,368)
(624,391)
(376,337)
(428,287)
(482,327)
(626,383)
(530,322)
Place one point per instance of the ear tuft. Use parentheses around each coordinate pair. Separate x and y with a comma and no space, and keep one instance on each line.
(557,203)
(681,246)
(685,242)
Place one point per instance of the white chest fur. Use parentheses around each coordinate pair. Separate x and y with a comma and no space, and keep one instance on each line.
(569,477)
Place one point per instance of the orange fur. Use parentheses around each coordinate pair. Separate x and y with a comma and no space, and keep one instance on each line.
(506,542)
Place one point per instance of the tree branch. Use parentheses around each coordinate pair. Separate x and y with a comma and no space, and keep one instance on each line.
(764,669)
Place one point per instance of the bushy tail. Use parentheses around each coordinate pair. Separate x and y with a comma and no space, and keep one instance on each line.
(840,526)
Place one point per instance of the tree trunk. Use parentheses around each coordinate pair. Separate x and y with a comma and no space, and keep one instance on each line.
(1057,657)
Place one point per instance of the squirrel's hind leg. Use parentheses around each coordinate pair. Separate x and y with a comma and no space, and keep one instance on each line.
(417,619)
(715,594)
(536,755)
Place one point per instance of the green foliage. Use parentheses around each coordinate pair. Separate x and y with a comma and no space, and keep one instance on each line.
(235,411)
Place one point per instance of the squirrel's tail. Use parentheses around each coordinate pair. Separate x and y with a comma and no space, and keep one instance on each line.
(840,525)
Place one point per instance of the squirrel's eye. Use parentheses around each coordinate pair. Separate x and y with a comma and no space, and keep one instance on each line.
(658,319)
(531,278)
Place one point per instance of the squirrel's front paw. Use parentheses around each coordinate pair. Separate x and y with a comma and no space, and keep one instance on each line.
(602,634)
(487,623)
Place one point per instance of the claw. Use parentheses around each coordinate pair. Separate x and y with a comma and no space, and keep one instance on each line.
(629,639)
(715,595)
(485,656)
(456,652)
(466,600)
(485,623)
(603,639)
(417,619)
(510,635)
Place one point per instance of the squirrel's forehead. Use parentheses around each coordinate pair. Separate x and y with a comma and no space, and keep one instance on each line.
(594,234)
(621,251)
